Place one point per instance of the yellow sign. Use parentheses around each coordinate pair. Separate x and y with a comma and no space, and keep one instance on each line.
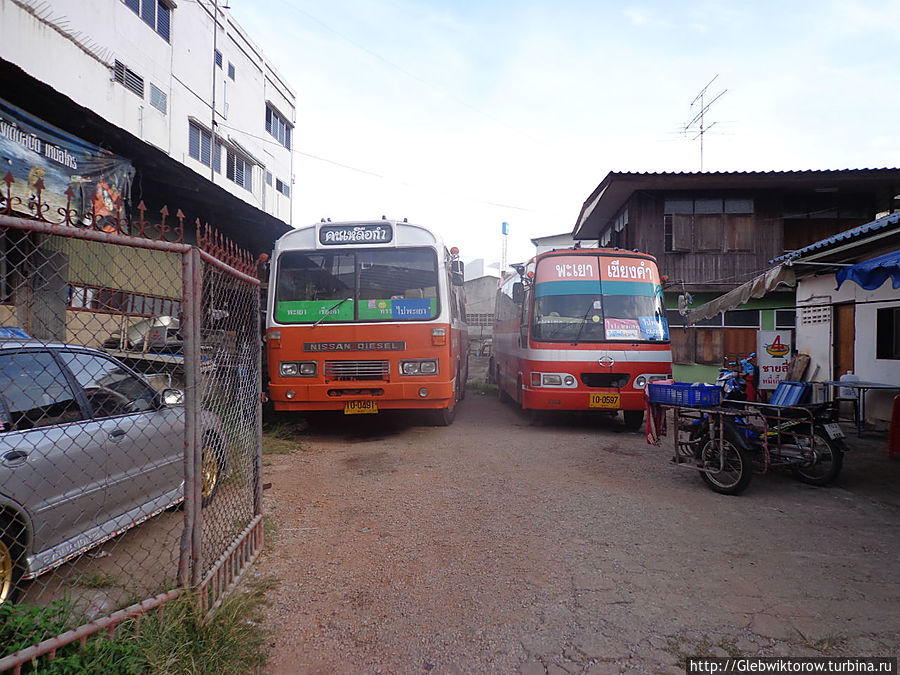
(604,401)
(360,408)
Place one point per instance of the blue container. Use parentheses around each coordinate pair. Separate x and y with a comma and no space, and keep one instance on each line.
(685,393)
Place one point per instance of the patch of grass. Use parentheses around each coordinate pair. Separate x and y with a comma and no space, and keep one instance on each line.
(179,639)
(827,645)
(98,581)
(184,640)
(282,438)
(270,529)
(272,445)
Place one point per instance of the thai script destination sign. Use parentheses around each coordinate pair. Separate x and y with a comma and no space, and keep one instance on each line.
(623,268)
(354,346)
(337,235)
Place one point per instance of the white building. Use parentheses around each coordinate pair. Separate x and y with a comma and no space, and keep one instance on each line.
(853,325)
(557,241)
(156,69)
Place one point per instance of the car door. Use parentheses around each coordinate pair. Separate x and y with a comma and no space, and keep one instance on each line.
(52,457)
(146,441)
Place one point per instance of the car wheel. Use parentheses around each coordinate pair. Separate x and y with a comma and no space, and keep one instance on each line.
(211,467)
(12,558)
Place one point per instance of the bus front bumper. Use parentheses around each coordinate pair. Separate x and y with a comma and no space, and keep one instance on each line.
(387,395)
(547,398)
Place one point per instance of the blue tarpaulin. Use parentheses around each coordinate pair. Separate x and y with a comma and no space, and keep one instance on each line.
(872,273)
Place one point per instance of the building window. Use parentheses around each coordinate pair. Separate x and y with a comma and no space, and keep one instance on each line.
(231,70)
(239,170)
(155,13)
(99,299)
(887,333)
(785,318)
(742,318)
(283,187)
(708,224)
(199,142)
(218,58)
(128,78)
(278,127)
(269,178)
(158,99)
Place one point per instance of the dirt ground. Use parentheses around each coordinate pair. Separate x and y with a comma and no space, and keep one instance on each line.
(494,545)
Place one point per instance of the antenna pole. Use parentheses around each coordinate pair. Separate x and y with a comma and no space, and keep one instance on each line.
(696,122)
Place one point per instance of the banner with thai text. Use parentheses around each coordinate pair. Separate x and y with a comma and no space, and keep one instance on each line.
(34,152)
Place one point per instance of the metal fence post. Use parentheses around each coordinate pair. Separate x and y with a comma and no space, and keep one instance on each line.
(185,561)
(192,365)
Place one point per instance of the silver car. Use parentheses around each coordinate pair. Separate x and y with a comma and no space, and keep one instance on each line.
(87,450)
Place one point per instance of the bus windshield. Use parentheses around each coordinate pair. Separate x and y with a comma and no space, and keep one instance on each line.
(360,285)
(598,299)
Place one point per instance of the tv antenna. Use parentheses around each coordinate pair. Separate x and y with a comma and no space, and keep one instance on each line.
(696,125)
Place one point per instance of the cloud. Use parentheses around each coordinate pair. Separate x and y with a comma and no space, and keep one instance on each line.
(636,16)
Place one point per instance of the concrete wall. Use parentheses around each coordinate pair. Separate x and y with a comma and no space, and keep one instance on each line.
(815,335)
(72,45)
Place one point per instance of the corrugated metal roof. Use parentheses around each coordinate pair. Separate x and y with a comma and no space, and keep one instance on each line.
(882,223)
(617,187)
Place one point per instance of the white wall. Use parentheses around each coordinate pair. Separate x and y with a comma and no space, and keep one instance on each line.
(815,335)
(544,244)
(72,45)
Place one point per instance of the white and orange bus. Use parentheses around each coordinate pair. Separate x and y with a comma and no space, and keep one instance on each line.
(581,329)
(364,317)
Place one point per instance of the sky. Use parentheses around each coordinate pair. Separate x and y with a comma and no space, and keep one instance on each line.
(463,115)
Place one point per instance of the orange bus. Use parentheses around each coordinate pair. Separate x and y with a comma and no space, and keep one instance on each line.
(364,317)
(581,329)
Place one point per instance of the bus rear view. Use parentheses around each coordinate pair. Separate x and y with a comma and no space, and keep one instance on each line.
(582,329)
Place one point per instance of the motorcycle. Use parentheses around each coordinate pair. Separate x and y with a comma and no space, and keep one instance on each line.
(730,442)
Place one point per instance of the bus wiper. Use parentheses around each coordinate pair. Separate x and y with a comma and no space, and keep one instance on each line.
(583,324)
(330,310)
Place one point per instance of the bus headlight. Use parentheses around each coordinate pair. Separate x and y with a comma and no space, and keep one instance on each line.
(563,380)
(298,368)
(419,367)
(641,381)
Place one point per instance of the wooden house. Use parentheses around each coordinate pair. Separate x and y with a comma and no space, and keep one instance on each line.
(712,232)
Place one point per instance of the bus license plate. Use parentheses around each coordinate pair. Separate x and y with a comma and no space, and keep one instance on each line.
(604,401)
(833,430)
(360,408)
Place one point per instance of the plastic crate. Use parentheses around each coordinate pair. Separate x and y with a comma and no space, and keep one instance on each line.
(684,393)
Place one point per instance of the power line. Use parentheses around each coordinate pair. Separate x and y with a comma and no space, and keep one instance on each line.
(380,176)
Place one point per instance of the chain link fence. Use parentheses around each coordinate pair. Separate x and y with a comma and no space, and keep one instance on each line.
(130,428)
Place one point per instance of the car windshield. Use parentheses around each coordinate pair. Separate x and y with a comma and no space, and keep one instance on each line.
(356,286)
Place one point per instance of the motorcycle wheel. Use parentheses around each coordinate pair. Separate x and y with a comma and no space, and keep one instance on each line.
(736,472)
(828,462)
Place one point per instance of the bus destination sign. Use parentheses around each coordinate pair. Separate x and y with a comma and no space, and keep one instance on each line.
(338,235)
(393,346)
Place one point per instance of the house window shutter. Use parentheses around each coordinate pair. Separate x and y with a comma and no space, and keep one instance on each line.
(682,226)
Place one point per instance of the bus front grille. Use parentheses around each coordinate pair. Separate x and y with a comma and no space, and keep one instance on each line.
(357,370)
(605,380)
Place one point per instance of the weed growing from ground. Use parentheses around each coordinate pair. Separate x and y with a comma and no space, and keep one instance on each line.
(178,640)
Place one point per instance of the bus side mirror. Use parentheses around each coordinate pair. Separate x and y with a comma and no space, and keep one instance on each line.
(518,292)
(457,273)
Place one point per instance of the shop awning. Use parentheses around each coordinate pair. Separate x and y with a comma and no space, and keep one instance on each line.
(872,273)
(782,275)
